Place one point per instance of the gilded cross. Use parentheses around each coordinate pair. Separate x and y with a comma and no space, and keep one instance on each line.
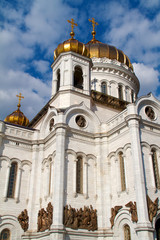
(92,20)
(73,24)
(20,97)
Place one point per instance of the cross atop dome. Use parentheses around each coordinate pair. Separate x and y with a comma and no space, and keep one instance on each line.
(19,100)
(94,23)
(73,24)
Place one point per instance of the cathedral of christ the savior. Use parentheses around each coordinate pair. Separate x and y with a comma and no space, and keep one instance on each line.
(88,165)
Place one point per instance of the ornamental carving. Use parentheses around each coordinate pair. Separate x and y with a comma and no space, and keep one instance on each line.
(23,220)
(133,210)
(114,212)
(152,208)
(45,218)
(80,218)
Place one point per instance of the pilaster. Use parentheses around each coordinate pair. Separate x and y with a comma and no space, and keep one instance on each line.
(144,229)
(59,167)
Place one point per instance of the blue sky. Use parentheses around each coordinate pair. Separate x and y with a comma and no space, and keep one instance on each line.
(30,30)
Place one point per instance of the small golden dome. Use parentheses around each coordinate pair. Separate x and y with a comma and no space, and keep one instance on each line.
(17,117)
(71,45)
(100,50)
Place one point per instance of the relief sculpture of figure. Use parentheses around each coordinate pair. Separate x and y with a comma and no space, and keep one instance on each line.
(114,212)
(83,218)
(23,220)
(152,208)
(132,210)
(45,218)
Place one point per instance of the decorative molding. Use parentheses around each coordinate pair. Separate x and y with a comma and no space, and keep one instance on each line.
(108,100)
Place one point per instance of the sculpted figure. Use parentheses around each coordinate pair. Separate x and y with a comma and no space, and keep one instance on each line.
(152,208)
(84,219)
(133,210)
(114,212)
(45,218)
(23,220)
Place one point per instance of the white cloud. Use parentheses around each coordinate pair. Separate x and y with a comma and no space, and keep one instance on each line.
(148,78)
(29,33)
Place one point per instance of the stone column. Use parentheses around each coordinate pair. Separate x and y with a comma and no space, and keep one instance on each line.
(85,179)
(59,167)
(74,177)
(7,182)
(18,184)
(47,176)
(152,180)
(54,86)
(144,229)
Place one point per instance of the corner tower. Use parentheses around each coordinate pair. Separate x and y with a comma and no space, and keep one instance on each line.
(71,67)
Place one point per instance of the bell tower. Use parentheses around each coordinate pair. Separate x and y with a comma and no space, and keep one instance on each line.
(71,67)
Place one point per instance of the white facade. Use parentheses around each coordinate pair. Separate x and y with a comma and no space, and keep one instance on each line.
(116,147)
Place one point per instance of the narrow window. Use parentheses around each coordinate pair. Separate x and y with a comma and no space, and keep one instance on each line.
(5,235)
(12,180)
(78,77)
(58,80)
(132,96)
(122,171)
(155,169)
(158,229)
(127,233)
(79,174)
(120,92)
(104,88)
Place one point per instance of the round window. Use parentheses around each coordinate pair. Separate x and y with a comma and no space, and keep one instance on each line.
(80,120)
(150,112)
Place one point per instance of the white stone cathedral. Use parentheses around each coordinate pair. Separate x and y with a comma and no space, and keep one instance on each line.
(88,165)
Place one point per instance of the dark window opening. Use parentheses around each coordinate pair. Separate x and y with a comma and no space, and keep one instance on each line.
(104,88)
(12,180)
(120,92)
(78,77)
(79,175)
(158,229)
(5,235)
(58,80)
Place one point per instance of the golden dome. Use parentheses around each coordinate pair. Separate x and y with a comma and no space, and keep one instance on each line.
(17,117)
(100,50)
(71,45)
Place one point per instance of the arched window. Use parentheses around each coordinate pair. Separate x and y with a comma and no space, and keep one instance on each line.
(127,233)
(155,169)
(122,171)
(132,96)
(79,175)
(5,234)
(120,92)
(104,88)
(12,180)
(58,79)
(51,124)
(158,229)
(78,77)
